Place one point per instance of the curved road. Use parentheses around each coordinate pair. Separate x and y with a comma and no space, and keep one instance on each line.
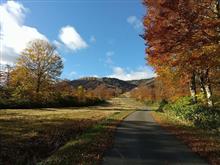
(139,140)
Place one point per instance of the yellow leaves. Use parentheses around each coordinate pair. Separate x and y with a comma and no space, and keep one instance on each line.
(209,49)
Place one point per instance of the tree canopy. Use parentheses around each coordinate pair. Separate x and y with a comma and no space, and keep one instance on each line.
(182,38)
(38,65)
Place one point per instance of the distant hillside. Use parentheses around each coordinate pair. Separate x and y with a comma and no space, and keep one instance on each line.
(142,81)
(113,83)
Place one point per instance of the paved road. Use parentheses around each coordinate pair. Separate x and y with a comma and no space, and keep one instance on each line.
(139,140)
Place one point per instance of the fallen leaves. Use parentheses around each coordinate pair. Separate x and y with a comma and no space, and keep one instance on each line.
(204,142)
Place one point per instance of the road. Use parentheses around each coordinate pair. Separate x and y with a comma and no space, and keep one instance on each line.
(139,140)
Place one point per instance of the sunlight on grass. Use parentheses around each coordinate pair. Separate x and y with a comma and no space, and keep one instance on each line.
(34,134)
(90,146)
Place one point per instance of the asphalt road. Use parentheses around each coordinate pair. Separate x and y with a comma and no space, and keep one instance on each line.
(139,140)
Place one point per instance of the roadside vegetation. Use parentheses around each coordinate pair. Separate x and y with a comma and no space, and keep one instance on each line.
(199,115)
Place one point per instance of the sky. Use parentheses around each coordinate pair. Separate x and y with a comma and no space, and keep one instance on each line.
(94,37)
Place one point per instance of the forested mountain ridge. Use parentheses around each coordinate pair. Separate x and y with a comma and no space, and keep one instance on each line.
(113,83)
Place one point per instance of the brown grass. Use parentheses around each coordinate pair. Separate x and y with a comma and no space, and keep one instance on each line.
(35,135)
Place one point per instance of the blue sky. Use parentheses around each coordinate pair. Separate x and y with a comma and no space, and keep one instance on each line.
(94,37)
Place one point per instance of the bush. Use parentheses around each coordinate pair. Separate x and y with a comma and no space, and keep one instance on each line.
(19,97)
(206,117)
(61,101)
(182,108)
(200,115)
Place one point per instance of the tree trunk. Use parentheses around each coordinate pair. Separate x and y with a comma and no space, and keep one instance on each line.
(209,95)
(192,88)
(38,88)
(38,85)
(208,90)
(202,85)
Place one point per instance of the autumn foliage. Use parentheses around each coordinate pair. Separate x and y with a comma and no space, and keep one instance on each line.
(182,38)
(35,82)
(159,90)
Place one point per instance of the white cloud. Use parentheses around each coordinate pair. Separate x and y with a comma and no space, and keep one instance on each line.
(139,73)
(71,38)
(92,39)
(135,22)
(57,44)
(14,35)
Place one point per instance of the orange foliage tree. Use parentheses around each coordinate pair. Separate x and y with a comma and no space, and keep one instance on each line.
(182,38)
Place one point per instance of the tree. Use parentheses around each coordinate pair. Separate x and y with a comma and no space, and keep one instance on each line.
(104,92)
(37,68)
(81,93)
(181,35)
(41,64)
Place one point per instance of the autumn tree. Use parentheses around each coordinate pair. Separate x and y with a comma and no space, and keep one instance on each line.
(161,88)
(65,88)
(81,92)
(38,66)
(181,35)
(104,92)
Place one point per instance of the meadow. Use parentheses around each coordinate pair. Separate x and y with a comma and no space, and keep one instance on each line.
(60,135)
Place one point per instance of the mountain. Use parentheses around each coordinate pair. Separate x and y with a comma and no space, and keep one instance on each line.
(142,81)
(113,83)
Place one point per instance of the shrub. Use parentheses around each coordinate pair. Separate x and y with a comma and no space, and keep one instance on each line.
(180,108)
(61,101)
(200,115)
(206,117)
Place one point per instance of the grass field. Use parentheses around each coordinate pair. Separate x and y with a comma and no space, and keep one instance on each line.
(60,136)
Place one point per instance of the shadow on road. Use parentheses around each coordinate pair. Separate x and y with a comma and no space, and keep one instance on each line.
(139,140)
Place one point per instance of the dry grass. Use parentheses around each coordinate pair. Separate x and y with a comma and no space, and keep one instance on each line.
(30,136)
(90,146)
(204,142)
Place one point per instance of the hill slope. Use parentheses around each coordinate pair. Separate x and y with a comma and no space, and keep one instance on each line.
(113,83)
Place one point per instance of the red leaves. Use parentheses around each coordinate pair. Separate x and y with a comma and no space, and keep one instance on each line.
(182,35)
